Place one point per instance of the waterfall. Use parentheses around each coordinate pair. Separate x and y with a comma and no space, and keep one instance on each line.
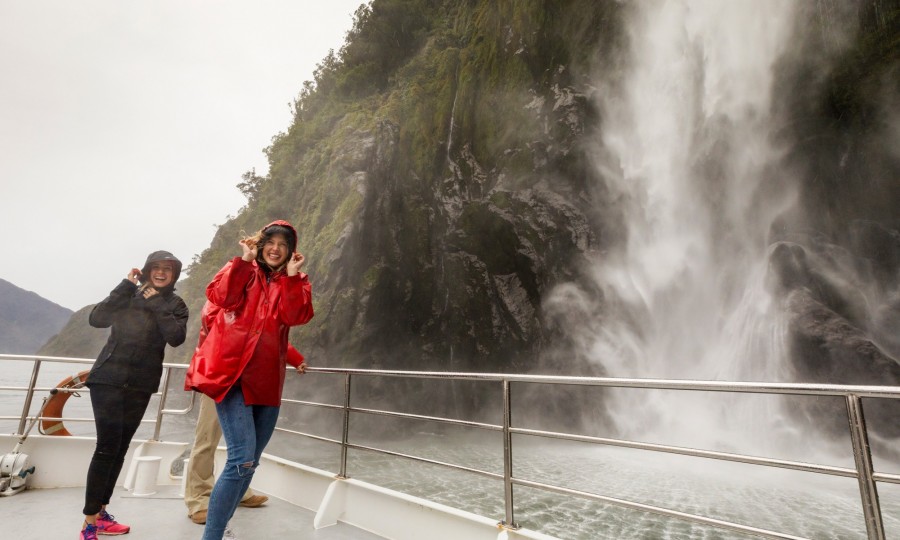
(687,155)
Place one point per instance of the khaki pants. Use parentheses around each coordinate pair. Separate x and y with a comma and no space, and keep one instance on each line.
(200,478)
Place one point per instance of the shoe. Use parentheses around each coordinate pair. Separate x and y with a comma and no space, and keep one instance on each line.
(254,501)
(88,533)
(107,524)
(229,535)
(198,517)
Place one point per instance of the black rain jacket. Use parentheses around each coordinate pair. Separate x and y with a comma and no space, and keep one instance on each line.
(141,328)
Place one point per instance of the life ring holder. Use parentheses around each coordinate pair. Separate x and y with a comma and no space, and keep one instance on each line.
(56,403)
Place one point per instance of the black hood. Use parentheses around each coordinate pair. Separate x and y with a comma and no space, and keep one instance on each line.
(158,256)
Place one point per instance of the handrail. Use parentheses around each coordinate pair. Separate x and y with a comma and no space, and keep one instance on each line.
(711,454)
(863,457)
(813,389)
(32,388)
(853,394)
(509,522)
(867,477)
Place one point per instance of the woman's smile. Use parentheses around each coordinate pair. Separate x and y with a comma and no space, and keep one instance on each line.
(275,250)
(161,274)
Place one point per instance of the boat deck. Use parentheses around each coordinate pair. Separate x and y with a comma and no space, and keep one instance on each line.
(39,514)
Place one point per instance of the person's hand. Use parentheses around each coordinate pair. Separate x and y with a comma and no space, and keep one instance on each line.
(133,275)
(295,264)
(249,250)
(149,293)
(301,369)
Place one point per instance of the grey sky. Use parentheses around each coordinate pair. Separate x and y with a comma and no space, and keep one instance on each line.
(125,126)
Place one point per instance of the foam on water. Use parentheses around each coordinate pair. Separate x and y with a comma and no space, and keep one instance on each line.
(803,504)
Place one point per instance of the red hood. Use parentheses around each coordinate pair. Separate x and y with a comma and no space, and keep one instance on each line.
(283,223)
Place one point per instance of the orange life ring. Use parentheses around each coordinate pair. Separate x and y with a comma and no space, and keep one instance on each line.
(54,406)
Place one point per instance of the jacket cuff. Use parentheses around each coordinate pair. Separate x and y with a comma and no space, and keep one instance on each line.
(125,287)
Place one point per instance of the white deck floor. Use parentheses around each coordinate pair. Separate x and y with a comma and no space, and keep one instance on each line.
(51,514)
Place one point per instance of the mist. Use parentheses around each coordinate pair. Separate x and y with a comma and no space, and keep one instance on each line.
(699,193)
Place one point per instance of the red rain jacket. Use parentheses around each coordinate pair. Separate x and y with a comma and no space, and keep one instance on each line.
(248,323)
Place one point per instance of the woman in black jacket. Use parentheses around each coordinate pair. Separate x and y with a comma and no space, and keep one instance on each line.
(145,314)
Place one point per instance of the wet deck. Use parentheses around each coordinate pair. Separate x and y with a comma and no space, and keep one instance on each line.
(42,514)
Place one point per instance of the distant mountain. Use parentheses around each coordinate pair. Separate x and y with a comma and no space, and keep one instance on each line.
(27,320)
(77,338)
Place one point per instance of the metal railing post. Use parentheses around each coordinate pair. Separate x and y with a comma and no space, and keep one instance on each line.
(28,395)
(510,522)
(862,454)
(346,432)
(162,403)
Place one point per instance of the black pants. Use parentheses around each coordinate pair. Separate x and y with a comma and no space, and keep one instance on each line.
(117,416)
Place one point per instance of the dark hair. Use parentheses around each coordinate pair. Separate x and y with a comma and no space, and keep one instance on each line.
(267,233)
(287,232)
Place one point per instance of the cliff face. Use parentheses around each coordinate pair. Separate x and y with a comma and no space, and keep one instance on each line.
(836,255)
(439,201)
(438,175)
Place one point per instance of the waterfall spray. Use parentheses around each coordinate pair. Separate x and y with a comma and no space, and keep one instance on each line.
(687,156)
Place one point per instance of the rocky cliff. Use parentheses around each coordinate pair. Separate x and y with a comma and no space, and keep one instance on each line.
(440,200)
(453,177)
(437,174)
(437,170)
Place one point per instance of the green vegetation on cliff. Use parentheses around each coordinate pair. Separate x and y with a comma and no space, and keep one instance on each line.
(438,171)
(421,169)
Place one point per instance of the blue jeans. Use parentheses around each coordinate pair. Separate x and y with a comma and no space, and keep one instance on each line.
(247,430)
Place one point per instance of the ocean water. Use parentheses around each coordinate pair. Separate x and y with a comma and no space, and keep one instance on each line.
(17,373)
(802,504)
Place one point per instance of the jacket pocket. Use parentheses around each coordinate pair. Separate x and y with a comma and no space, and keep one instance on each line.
(105,355)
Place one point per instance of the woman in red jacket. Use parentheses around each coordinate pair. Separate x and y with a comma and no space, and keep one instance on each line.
(241,363)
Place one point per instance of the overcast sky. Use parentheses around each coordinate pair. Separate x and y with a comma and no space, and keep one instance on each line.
(125,126)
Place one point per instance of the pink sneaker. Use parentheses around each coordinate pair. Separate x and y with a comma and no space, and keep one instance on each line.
(88,533)
(107,524)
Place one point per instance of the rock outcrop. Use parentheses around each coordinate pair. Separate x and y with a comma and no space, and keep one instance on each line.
(442,188)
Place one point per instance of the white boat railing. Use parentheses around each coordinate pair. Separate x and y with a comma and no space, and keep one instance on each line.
(853,395)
